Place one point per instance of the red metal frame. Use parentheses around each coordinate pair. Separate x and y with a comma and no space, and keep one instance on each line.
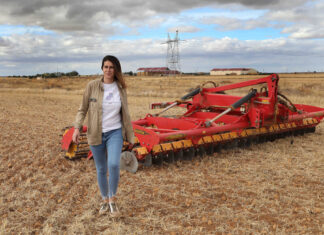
(262,109)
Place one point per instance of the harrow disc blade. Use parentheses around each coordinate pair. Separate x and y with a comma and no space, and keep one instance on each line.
(230,144)
(311,129)
(178,156)
(189,153)
(248,142)
(217,148)
(169,157)
(157,159)
(201,151)
(148,160)
(299,132)
(210,149)
(262,139)
(271,137)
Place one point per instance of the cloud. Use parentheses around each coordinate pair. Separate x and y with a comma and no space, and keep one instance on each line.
(304,22)
(97,15)
(300,22)
(184,29)
(47,53)
(76,34)
(227,23)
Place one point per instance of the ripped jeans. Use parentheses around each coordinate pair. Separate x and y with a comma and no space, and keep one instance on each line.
(107,157)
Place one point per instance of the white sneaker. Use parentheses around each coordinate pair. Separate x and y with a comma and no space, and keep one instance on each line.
(104,208)
(114,211)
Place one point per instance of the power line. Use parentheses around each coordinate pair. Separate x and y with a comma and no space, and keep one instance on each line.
(173,54)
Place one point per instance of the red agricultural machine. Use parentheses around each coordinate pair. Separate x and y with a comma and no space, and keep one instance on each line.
(212,120)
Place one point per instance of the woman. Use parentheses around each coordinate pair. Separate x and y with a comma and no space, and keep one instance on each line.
(109,122)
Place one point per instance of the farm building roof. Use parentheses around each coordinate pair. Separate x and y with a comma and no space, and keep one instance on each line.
(153,69)
(231,69)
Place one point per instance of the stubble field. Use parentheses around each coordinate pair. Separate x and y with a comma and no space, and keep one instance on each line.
(270,188)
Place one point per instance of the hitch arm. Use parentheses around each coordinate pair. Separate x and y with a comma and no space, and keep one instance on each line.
(233,107)
(183,98)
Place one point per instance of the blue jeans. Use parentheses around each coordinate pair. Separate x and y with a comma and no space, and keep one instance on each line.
(107,155)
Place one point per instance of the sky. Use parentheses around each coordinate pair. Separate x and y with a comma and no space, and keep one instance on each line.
(38,36)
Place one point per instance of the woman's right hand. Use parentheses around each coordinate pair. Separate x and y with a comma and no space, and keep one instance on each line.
(76,135)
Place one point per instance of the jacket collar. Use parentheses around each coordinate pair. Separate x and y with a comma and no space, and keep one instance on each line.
(101,80)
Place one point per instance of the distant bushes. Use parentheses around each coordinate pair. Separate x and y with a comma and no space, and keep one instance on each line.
(50,75)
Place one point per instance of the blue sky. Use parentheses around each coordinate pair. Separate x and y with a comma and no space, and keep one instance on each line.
(268,35)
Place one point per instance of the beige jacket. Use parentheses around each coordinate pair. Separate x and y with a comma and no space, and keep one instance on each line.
(92,102)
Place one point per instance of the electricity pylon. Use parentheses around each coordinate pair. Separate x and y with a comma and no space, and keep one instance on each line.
(173,55)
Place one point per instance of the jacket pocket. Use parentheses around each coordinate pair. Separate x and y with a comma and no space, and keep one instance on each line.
(93,106)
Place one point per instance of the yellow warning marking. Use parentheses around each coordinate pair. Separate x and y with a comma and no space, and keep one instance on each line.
(141,132)
(274,128)
(233,135)
(72,149)
(208,139)
(217,138)
(176,136)
(166,146)
(244,134)
(226,136)
(308,121)
(250,132)
(265,101)
(65,131)
(263,130)
(282,126)
(141,151)
(157,148)
(187,143)
(177,144)
(201,141)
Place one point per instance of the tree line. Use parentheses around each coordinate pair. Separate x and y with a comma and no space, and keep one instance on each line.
(49,75)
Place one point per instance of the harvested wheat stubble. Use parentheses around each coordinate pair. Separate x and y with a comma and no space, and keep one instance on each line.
(271,188)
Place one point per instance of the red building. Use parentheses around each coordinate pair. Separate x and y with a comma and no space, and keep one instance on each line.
(155,71)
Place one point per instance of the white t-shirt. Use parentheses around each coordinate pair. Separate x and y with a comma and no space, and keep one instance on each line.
(111,104)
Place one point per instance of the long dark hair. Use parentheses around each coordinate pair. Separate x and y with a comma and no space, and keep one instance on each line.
(117,69)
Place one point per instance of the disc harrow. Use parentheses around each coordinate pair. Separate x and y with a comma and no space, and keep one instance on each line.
(212,121)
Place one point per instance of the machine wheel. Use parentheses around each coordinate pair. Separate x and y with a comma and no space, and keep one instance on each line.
(128,162)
